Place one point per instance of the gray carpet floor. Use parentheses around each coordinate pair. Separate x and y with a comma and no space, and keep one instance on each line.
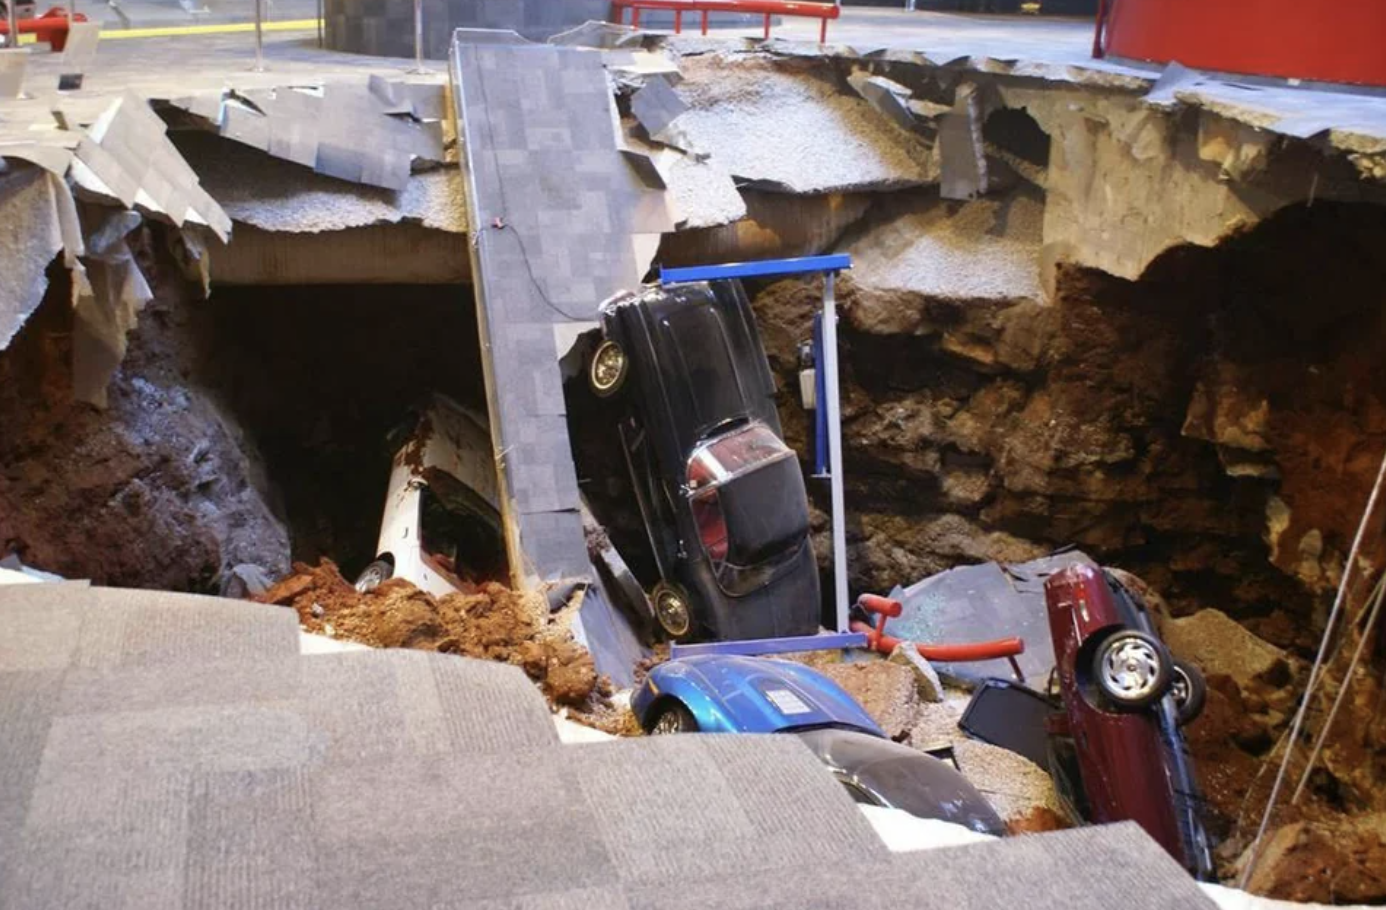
(160,752)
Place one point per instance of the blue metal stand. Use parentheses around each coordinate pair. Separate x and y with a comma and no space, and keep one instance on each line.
(829,642)
(827,414)
(764,268)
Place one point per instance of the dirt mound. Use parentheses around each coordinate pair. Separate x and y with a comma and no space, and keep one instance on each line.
(495,623)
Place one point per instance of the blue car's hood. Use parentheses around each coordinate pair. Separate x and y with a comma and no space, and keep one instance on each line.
(753,695)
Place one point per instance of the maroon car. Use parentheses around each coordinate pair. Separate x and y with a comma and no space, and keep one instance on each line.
(1115,749)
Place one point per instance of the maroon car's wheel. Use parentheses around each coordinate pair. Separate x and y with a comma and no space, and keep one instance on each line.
(1132,669)
(1189,691)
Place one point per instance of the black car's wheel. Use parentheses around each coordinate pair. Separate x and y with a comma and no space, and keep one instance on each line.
(608,370)
(674,718)
(1132,669)
(1190,691)
(672,609)
(372,575)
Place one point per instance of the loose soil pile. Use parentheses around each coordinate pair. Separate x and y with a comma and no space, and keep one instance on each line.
(495,623)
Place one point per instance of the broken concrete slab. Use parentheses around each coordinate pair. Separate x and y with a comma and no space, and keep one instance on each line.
(776,226)
(986,249)
(80,50)
(754,113)
(700,193)
(885,95)
(603,35)
(272,194)
(962,153)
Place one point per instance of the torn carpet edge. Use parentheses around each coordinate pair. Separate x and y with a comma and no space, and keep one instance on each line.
(108,296)
(38,220)
(369,133)
(126,155)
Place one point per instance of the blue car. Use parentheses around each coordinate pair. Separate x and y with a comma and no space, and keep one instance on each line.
(729,694)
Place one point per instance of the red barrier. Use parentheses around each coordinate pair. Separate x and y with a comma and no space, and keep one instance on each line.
(50,28)
(767,8)
(1340,41)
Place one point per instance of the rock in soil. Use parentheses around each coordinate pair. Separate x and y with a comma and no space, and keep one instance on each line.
(495,623)
(1339,864)
(1020,791)
(927,683)
(1219,644)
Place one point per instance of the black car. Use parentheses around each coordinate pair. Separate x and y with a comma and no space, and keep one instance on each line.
(721,495)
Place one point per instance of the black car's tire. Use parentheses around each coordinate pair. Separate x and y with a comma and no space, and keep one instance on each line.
(1132,669)
(672,609)
(673,717)
(372,575)
(1190,692)
(608,369)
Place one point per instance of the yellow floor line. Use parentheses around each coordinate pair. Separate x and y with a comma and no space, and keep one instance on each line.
(292,25)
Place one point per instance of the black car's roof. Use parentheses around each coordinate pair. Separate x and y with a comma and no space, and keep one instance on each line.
(706,355)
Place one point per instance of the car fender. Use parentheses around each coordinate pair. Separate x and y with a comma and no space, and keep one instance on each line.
(676,681)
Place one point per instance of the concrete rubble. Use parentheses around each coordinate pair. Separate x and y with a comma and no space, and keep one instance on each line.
(1217,643)
(753,115)
(988,248)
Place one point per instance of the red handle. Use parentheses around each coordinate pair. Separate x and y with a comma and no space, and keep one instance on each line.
(977,650)
(875,603)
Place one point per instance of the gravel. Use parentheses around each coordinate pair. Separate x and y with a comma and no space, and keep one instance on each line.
(274,195)
(1014,785)
(791,125)
(987,249)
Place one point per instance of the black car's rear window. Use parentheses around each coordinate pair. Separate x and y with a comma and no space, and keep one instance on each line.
(695,338)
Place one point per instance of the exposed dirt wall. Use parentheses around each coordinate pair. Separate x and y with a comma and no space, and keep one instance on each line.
(162,489)
(985,429)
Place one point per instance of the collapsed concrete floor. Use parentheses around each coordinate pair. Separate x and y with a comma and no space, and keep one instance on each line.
(1153,333)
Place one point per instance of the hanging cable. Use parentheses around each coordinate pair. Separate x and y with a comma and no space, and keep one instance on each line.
(1375,603)
(1313,676)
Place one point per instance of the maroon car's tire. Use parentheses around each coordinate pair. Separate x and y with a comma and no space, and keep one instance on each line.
(673,717)
(1190,692)
(1133,670)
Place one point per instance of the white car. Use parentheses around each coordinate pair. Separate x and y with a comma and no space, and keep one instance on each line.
(442,528)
